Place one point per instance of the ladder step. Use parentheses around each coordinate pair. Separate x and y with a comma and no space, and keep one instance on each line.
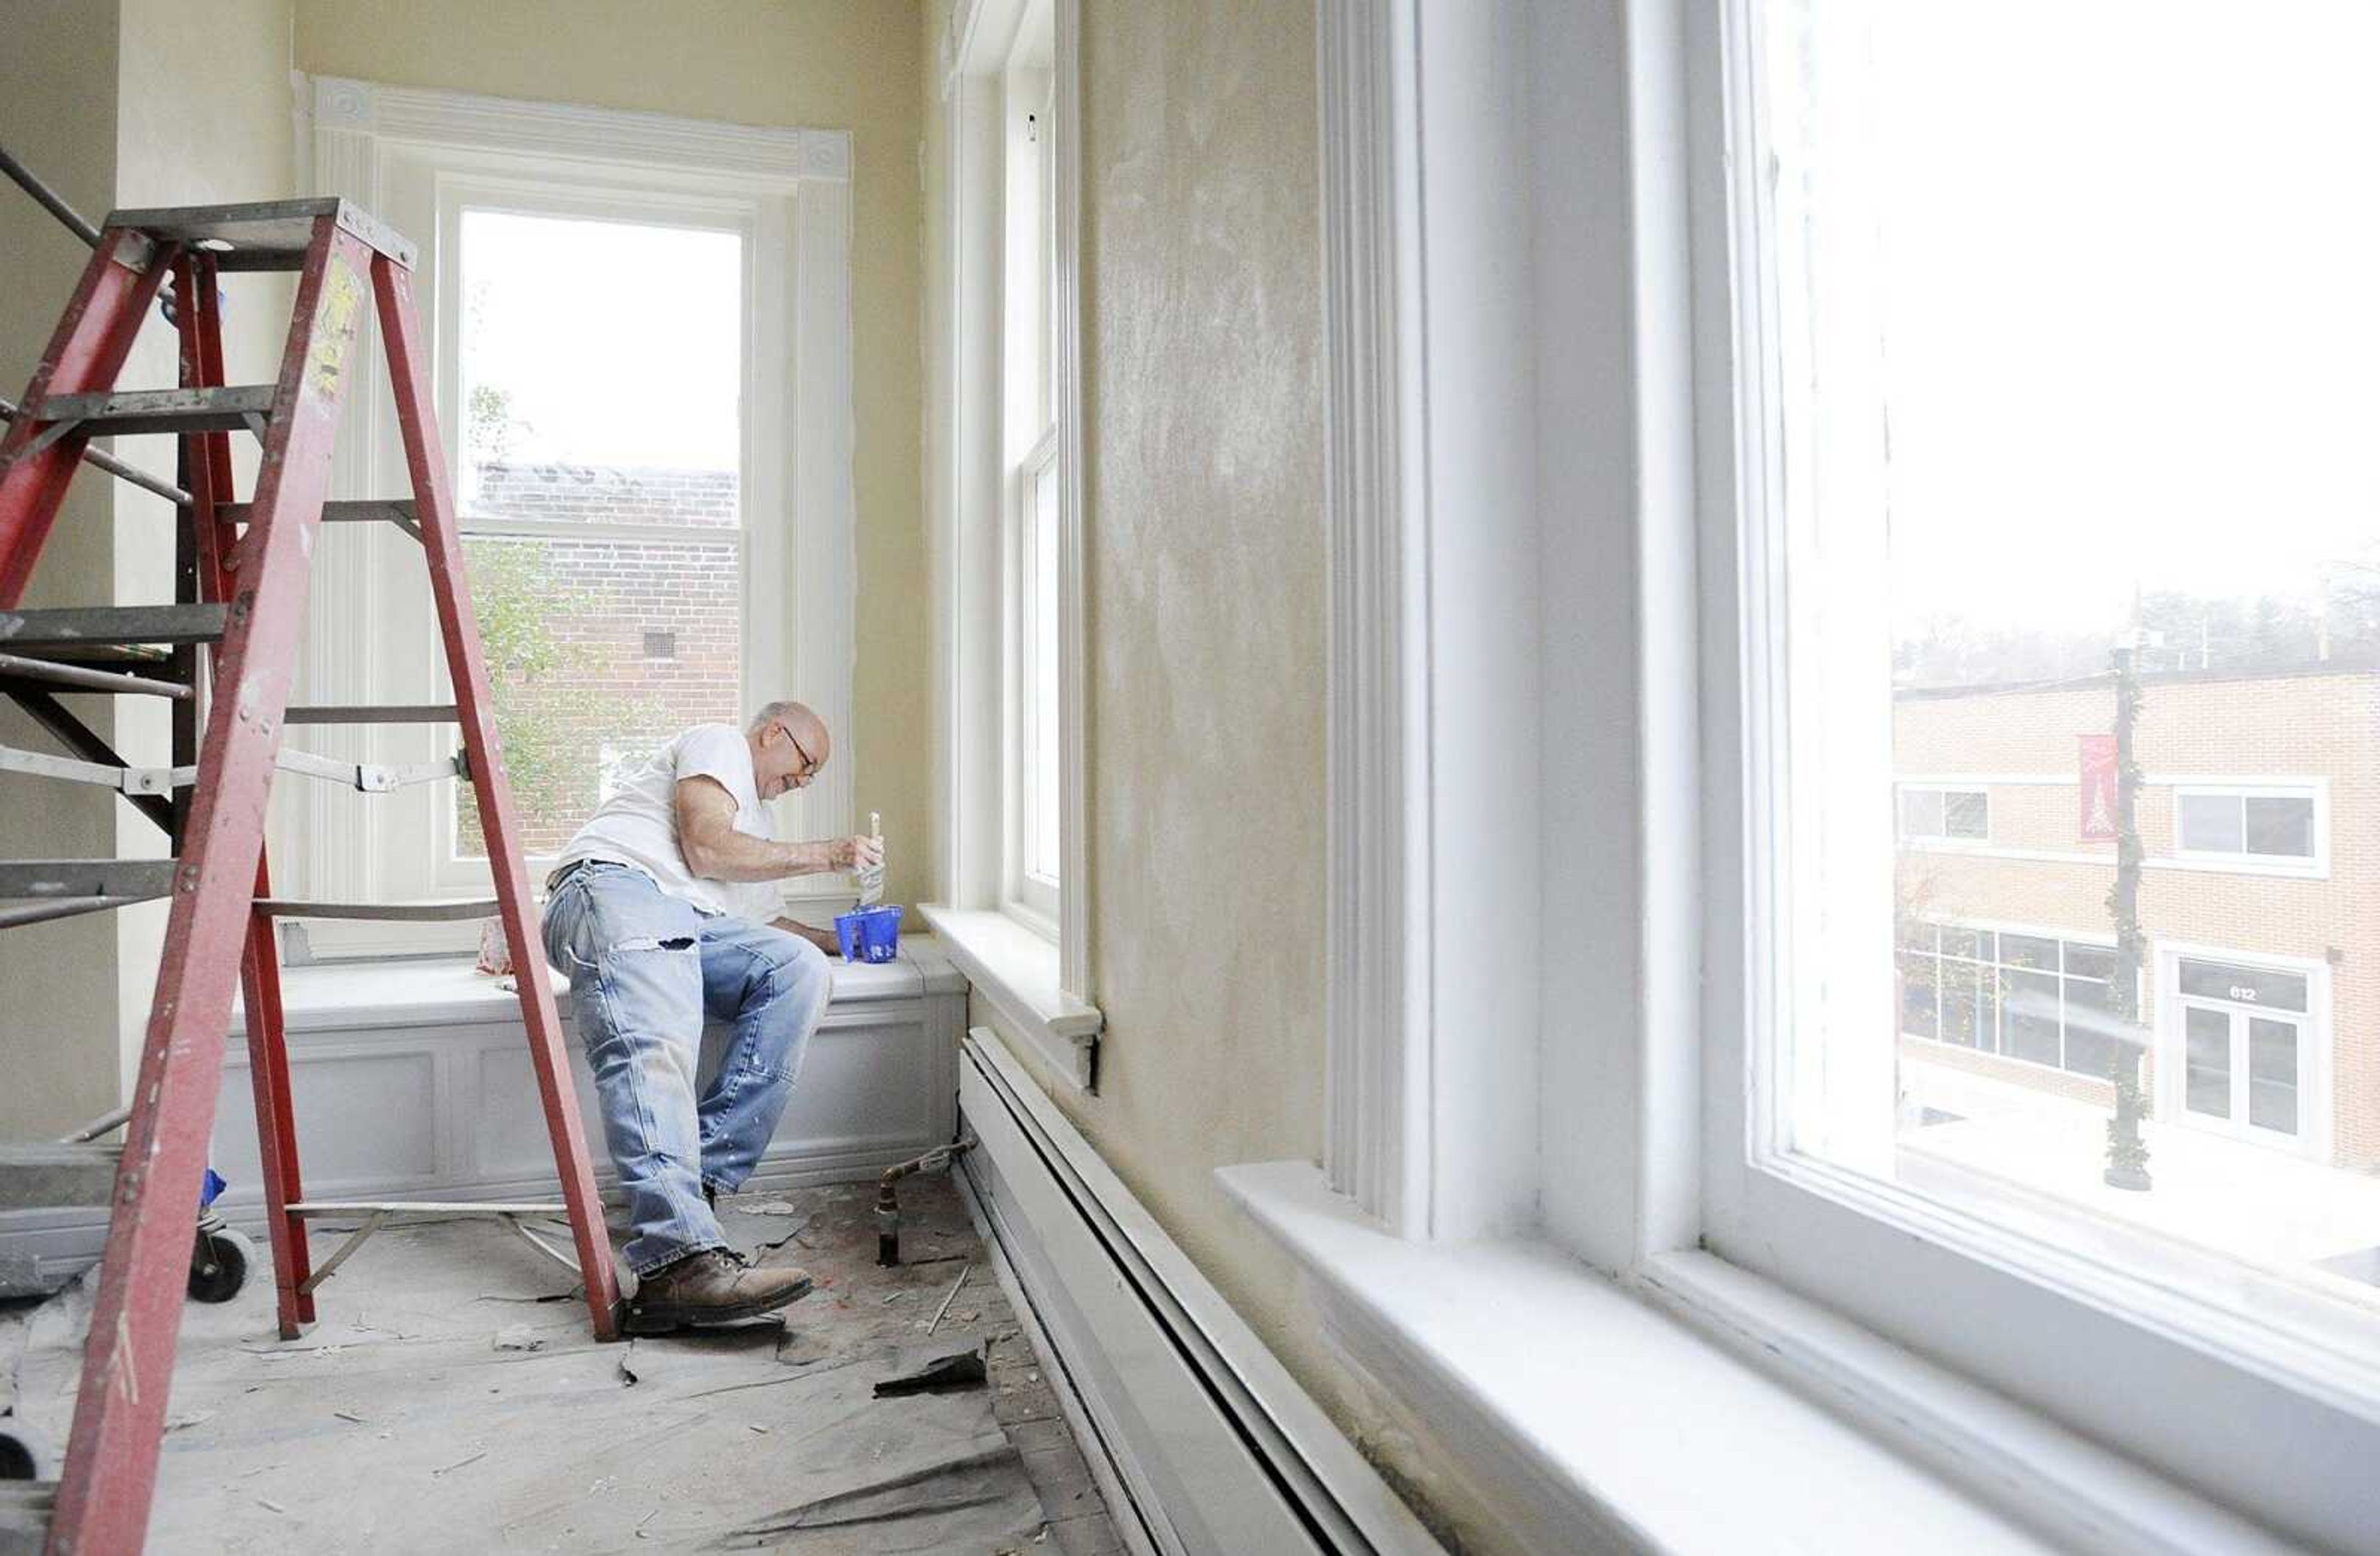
(266,235)
(134,878)
(392,912)
(366,714)
(104,627)
(43,912)
(399,512)
(15,666)
(161,410)
(24,1508)
(48,1175)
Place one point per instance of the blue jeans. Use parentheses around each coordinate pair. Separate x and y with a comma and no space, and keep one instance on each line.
(645,969)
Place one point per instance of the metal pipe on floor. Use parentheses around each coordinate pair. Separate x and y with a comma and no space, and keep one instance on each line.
(888,1195)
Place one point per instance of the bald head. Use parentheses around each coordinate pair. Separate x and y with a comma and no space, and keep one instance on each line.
(789,745)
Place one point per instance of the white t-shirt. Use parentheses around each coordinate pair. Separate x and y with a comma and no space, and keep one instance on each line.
(638,825)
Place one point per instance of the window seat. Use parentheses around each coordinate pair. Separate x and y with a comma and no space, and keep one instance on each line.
(413,1081)
(397,994)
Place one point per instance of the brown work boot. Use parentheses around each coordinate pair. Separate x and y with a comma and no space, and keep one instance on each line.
(711,1287)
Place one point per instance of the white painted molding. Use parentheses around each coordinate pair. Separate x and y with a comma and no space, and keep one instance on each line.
(975,762)
(572,132)
(1216,1447)
(1016,970)
(1378,966)
(1074,595)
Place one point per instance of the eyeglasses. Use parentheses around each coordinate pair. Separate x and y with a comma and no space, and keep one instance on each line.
(809,763)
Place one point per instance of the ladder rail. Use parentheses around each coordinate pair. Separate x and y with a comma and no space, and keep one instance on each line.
(111,1462)
(442,547)
(241,582)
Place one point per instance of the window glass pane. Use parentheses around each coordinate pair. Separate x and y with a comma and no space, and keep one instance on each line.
(1917,934)
(2280,826)
(1957,332)
(2030,1023)
(2207,1086)
(1974,944)
(2247,986)
(563,624)
(1042,795)
(2090,961)
(2094,1036)
(1963,1014)
(2211,823)
(598,394)
(2273,1074)
(2029,951)
(1919,1000)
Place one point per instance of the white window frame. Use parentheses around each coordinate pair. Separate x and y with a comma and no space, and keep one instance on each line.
(2243,862)
(415,157)
(1027,948)
(1548,611)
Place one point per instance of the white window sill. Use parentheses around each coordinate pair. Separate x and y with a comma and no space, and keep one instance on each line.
(392,994)
(1017,971)
(1574,1406)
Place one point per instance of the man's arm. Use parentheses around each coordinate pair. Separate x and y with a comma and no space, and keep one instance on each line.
(714,850)
(823,939)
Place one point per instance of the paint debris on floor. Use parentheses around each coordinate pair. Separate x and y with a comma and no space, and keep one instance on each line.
(451,1398)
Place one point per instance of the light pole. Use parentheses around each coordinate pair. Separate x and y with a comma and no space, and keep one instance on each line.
(2127,1154)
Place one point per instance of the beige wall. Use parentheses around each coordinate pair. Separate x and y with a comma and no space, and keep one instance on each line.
(1202,337)
(202,118)
(146,102)
(57,989)
(824,64)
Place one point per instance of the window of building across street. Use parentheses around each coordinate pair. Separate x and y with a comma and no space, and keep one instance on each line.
(1963,814)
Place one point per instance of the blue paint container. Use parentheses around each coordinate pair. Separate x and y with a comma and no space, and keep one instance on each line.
(869,934)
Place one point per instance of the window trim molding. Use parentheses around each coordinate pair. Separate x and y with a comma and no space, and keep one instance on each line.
(796,178)
(973,565)
(1377,993)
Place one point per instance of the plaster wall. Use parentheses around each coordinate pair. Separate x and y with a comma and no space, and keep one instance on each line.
(202,118)
(1206,554)
(57,981)
(824,64)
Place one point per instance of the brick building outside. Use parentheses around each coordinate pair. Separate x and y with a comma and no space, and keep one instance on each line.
(606,644)
(2259,819)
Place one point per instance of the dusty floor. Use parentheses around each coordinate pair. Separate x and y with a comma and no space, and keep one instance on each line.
(450,1399)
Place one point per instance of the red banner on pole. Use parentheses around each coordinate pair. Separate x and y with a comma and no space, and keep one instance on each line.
(2098,788)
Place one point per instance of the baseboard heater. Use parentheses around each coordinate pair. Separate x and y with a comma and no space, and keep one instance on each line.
(1208,1444)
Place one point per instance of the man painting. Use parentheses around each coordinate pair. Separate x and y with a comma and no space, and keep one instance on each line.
(660,913)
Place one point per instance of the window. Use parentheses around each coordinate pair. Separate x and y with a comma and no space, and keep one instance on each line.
(2249,825)
(592,507)
(2022,996)
(1006,515)
(1964,815)
(2180,523)
(642,362)
(1029,431)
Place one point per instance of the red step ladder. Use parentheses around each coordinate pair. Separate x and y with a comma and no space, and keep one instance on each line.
(247,595)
